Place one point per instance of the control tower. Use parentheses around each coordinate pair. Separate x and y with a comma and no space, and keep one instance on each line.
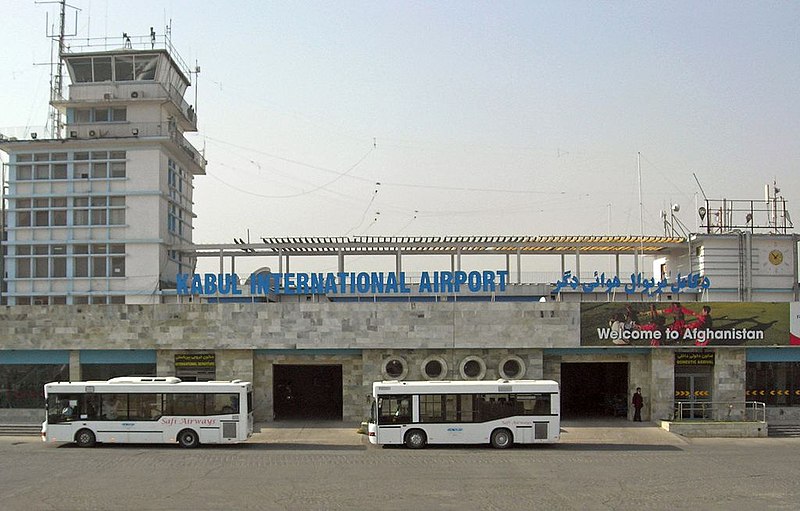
(93,210)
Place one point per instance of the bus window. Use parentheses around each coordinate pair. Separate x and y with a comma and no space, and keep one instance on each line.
(394,409)
(430,408)
(185,404)
(534,404)
(63,408)
(222,404)
(91,407)
(114,407)
(144,406)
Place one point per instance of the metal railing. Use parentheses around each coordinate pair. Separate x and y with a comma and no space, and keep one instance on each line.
(721,411)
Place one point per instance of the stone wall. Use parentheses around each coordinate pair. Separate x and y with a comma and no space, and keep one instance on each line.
(313,325)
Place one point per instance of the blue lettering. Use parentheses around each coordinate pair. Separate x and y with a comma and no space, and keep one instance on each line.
(403,286)
(210,284)
(461,278)
(425,283)
(235,284)
(503,279)
(302,283)
(317,283)
(288,284)
(259,283)
(330,283)
(488,281)
(474,281)
(363,282)
(445,282)
(391,282)
(197,284)
(275,282)
(224,284)
(182,283)
(377,282)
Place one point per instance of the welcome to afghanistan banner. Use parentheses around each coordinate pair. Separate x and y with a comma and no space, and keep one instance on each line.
(665,324)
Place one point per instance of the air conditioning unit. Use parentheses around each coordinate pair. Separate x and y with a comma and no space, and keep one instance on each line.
(137,94)
(34,135)
(92,133)
(108,96)
(73,134)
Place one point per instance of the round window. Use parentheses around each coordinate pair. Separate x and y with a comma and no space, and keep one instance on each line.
(512,368)
(434,368)
(394,368)
(472,368)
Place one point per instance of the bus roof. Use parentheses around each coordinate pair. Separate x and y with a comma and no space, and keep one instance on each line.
(439,386)
(128,384)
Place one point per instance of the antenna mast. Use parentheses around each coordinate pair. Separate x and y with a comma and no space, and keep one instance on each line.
(57,76)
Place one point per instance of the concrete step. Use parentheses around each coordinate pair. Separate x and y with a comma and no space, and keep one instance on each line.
(784,430)
(20,429)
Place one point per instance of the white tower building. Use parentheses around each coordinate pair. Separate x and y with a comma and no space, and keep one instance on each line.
(92,212)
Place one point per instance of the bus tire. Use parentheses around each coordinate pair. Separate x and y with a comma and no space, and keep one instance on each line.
(188,439)
(502,438)
(416,439)
(85,438)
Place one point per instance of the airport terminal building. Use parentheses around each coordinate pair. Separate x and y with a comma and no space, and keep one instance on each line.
(99,280)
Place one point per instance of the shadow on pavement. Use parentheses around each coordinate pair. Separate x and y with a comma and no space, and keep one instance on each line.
(615,447)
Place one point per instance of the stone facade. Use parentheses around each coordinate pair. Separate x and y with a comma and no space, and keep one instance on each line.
(248,340)
(314,325)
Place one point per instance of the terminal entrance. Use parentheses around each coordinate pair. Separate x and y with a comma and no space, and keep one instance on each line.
(594,389)
(307,392)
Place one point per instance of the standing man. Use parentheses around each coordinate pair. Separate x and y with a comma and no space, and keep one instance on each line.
(638,403)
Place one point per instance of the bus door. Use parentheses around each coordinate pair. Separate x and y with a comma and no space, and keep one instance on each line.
(394,415)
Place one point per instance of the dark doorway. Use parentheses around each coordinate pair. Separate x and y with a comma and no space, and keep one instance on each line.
(307,392)
(594,389)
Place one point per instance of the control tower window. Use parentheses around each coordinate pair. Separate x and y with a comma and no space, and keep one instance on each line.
(81,69)
(145,67)
(120,68)
(123,68)
(102,69)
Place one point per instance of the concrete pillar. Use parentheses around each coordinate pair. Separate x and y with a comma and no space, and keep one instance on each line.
(74,365)
(662,385)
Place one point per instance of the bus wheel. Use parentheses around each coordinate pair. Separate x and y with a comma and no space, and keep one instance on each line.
(501,438)
(416,439)
(188,439)
(85,438)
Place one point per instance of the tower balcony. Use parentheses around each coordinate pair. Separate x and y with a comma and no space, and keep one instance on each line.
(130,94)
(142,131)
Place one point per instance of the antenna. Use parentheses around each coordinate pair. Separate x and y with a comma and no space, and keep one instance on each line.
(57,74)
(641,210)
(699,185)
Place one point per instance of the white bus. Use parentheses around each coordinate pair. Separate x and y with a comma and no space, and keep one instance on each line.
(499,413)
(148,410)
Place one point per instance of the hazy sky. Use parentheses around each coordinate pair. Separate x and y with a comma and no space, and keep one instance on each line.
(475,117)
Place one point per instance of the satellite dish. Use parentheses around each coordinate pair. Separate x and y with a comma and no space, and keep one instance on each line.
(702,212)
(676,208)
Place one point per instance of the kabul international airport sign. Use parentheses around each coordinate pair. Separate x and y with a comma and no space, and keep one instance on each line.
(682,324)
(342,283)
